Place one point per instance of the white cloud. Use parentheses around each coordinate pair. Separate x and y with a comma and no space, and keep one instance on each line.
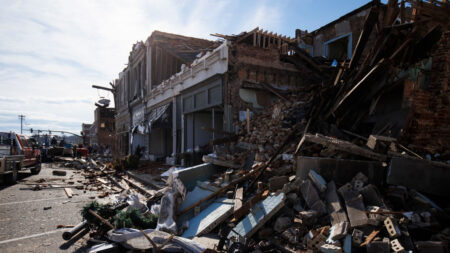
(51,52)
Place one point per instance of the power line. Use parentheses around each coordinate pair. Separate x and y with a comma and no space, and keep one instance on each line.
(22,118)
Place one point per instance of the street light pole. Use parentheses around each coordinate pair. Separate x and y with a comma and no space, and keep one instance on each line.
(21,117)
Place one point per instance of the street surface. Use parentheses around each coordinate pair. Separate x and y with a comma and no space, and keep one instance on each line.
(24,224)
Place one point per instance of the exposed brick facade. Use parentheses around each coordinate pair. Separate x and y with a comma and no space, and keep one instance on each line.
(429,126)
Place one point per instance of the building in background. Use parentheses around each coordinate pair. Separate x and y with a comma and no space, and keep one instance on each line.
(85,134)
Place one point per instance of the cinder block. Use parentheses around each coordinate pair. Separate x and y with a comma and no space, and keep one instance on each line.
(358,185)
(392,228)
(397,247)
(361,177)
(357,236)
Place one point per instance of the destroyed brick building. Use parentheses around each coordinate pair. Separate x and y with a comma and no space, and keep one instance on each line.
(104,127)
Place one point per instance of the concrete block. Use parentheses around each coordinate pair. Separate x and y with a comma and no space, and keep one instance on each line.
(356,212)
(277,182)
(309,193)
(371,196)
(357,236)
(360,177)
(329,248)
(318,180)
(358,185)
(338,217)
(332,199)
(334,206)
(345,188)
(379,246)
(392,228)
(397,247)
(422,175)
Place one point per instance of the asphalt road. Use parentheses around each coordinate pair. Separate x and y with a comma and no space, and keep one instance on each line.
(24,224)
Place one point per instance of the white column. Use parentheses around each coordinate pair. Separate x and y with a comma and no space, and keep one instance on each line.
(174,125)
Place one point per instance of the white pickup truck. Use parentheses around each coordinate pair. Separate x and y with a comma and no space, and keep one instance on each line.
(16,155)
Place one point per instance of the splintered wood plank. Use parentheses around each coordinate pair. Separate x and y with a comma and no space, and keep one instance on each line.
(69,192)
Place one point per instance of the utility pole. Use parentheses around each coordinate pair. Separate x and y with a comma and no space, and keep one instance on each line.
(22,118)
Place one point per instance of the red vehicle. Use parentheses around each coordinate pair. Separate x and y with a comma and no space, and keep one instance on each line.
(17,154)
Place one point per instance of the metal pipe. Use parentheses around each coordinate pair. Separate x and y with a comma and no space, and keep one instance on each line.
(67,235)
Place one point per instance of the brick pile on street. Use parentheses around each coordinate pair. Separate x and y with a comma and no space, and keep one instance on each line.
(305,175)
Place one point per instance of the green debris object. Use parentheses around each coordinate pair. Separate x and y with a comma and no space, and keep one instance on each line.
(132,218)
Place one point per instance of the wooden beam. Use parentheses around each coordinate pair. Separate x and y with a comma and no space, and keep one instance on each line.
(369,23)
(69,192)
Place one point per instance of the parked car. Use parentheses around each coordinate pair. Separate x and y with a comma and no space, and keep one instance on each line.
(17,154)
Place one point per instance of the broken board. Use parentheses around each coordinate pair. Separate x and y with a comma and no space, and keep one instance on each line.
(259,215)
(209,218)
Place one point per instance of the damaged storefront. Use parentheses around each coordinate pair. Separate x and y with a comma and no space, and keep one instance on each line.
(203,115)
(138,128)
(159,125)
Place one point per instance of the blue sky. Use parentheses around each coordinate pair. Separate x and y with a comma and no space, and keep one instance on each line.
(51,52)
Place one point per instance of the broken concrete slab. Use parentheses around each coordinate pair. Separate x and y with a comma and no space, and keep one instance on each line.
(356,212)
(311,196)
(209,218)
(309,192)
(340,170)
(202,172)
(422,175)
(334,207)
(259,215)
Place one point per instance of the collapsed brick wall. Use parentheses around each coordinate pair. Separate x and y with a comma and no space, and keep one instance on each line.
(252,65)
(429,127)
